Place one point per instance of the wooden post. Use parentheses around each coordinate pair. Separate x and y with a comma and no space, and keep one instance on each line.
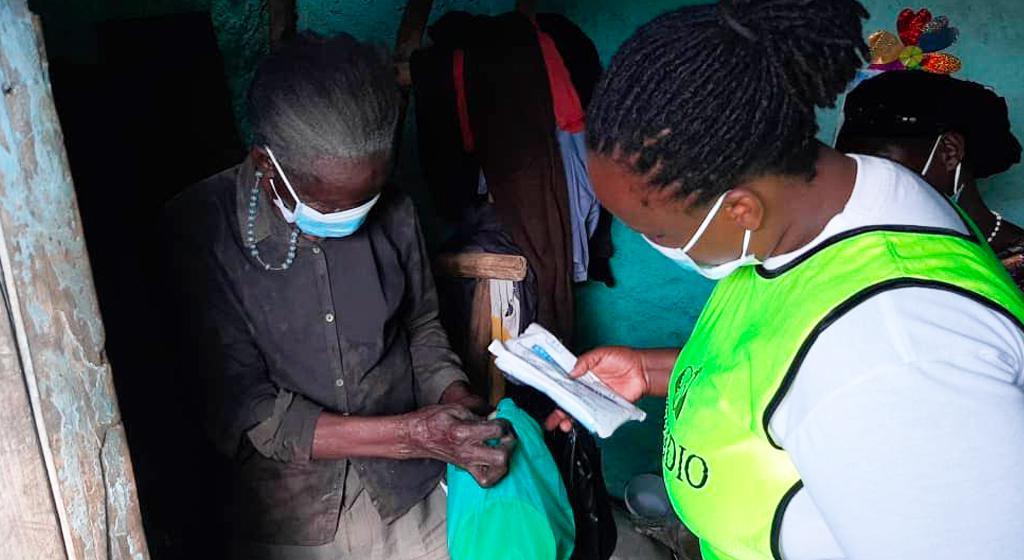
(410,37)
(477,357)
(485,377)
(485,266)
(410,30)
(65,474)
(283,20)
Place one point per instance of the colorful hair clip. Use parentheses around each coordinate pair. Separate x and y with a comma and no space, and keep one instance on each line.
(920,38)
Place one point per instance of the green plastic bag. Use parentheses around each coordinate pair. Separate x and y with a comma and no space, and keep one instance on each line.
(526,516)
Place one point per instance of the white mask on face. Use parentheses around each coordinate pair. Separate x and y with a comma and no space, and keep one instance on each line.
(681,256)
(957,186)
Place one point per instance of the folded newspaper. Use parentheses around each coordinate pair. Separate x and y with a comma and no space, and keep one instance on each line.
(536,358)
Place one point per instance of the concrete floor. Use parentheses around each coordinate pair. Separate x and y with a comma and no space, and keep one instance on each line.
(633,545)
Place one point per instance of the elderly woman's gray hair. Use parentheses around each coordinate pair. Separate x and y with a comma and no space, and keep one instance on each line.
(324,99)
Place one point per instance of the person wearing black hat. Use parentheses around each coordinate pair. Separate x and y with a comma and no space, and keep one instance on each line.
(953,132)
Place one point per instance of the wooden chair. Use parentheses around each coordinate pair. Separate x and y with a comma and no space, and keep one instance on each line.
(490,272)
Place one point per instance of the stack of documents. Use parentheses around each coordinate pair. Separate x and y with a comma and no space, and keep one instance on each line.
(539,360)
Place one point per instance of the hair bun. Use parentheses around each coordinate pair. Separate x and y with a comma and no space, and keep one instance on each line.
(817,44)
(704,97)
(727,15)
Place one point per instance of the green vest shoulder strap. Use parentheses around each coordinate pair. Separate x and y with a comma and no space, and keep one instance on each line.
(727,479)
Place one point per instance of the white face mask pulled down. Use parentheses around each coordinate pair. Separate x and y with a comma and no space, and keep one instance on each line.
(681,255)
(958,187)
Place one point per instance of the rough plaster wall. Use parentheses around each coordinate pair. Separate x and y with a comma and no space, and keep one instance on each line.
(654,303)
(242,36)
(53,303)
(377,20)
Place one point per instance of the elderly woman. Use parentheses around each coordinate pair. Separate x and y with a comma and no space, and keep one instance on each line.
(329,381)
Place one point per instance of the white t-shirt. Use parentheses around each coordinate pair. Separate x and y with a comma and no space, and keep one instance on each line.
(906,418)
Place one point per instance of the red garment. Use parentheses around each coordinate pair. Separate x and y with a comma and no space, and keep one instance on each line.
(461,105)
(519,154)
(569,114)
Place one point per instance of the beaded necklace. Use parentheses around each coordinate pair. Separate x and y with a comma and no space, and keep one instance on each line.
(995,230)
(250,230)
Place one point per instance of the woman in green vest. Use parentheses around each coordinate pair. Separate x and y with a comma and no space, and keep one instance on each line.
(853,388)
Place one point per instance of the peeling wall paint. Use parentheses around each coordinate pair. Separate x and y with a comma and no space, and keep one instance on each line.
(49,275)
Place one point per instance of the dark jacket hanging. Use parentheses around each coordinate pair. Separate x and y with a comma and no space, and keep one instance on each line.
(451,171)
(512,120)
(584,64)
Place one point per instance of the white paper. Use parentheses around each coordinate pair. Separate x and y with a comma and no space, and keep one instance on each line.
(536,358)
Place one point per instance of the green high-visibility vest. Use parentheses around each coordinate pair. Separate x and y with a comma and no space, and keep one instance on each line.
(728,480)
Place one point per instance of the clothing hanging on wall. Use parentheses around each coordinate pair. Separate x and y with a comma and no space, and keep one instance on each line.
(569,125)
(511,115)
(584,209)
(451,171)
(509,130)
(584,64)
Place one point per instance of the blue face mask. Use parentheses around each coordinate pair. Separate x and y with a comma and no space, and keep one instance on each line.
(311,222)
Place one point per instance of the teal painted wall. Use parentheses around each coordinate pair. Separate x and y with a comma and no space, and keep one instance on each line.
(377,20)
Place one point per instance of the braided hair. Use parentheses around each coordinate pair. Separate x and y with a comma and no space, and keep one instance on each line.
(910,109)
(704,97)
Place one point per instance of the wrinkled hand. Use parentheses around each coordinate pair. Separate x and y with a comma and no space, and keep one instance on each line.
(453,434)
(619,367)
(459,393)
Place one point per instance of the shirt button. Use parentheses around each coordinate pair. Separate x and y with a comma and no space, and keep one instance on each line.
(316,250)
(329,317)
(340,383)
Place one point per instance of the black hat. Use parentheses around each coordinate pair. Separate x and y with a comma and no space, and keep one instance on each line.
(917,103)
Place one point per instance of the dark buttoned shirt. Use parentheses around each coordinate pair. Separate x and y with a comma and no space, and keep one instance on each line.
(351,327)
